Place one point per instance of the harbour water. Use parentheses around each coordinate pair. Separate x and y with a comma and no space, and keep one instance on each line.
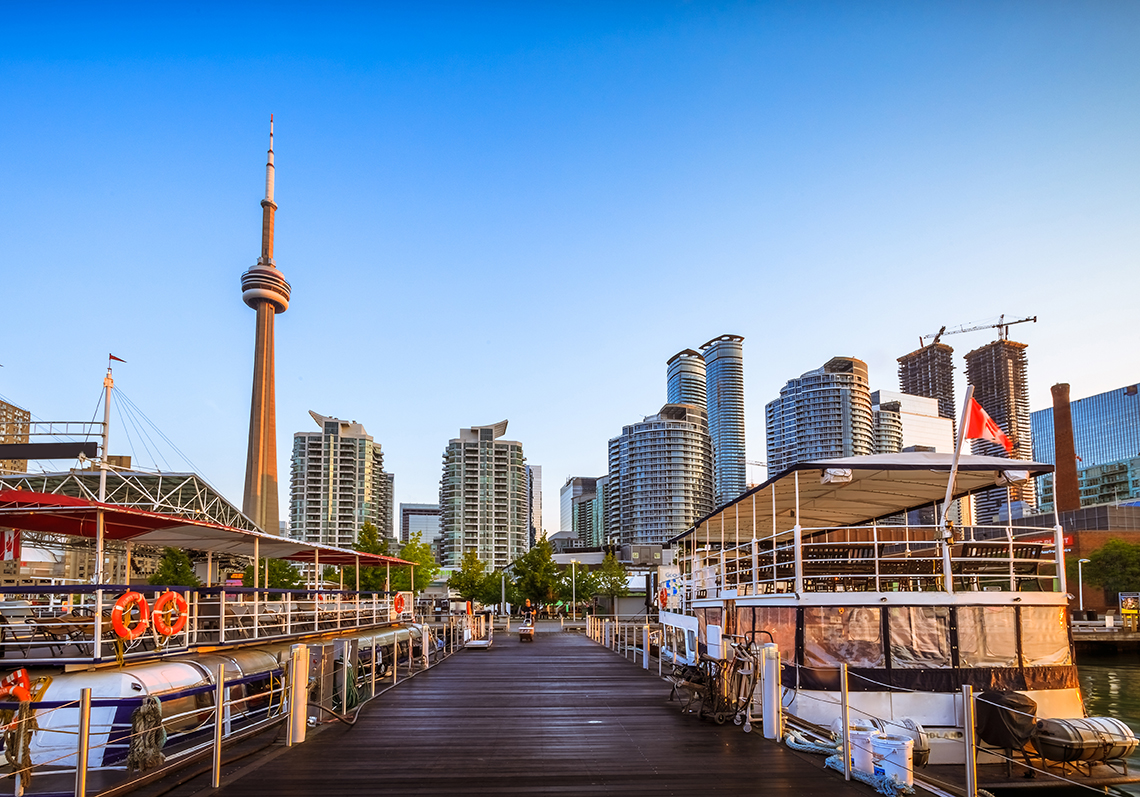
(1110,685)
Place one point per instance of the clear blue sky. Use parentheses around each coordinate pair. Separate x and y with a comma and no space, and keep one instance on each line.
(523,210)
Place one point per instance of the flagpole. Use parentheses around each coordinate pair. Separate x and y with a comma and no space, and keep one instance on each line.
(947,531)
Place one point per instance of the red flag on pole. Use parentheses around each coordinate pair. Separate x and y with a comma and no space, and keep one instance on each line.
(978,425)
(119,359)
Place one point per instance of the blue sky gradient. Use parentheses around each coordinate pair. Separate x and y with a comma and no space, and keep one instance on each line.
(523,210)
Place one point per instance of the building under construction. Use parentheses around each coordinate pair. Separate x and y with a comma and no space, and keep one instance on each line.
(998,372)
(929,372)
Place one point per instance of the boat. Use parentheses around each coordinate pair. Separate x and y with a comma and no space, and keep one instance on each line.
(847,565)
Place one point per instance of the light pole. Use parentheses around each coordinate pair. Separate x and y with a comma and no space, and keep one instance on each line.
(1081,583)
(574,589)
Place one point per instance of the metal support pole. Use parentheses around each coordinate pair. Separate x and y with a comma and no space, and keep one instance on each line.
(968,732)
(298,694)
(845,713)
(395,660)
(219,708)
(375,648)
(645,652)
(84,742)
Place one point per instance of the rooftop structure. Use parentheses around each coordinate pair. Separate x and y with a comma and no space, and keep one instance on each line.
(265,290)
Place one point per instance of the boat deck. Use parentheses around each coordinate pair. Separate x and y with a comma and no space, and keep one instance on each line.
(561,715)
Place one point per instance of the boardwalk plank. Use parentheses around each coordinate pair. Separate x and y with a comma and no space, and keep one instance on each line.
(560,716)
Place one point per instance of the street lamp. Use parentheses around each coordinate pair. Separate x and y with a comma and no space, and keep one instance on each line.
(574,589)
(1081,584)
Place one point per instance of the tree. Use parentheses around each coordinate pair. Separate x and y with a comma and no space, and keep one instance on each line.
(491,590)
(577,583)
(468,579)
(419,552)
(175,570)
(537,576)
(1115,566)
(613,581)
(371,578)
(282,575)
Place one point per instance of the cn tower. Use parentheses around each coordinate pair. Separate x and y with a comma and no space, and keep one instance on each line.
(264,289)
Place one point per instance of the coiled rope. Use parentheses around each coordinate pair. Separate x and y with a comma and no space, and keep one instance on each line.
(148,736)
(18,742)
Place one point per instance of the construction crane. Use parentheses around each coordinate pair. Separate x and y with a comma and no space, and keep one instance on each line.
(1002,326)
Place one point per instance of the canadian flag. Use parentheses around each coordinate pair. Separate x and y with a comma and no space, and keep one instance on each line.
(978,425)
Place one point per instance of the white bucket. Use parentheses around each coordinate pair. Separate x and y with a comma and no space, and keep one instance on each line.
(892,756)
(862,759)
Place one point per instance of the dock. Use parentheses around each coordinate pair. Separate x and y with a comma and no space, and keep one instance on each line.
(561,715)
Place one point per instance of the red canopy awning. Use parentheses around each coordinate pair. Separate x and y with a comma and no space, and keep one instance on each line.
(77,517)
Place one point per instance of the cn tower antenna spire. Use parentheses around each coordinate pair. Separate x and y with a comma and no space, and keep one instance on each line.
(269,165)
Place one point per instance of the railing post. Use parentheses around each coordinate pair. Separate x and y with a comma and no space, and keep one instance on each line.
(968,737)
(222,617)
(372,690)
(395,658)
(645,652)
(219,707)
(845,715)
(98,624)
(424,644)
(298,694)
(84,742)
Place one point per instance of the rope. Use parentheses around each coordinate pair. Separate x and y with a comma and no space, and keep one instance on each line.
(18,741)
(147,736)
(891,786)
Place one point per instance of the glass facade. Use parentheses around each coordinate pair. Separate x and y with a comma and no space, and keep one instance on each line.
(724,368)
(1106,428)
(687,379)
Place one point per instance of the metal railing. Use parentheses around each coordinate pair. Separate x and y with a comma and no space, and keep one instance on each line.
(76,624)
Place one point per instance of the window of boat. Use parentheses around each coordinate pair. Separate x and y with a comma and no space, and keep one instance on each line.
(1044,636)
(836,634)
(987,636)
(780,622)
(920,637)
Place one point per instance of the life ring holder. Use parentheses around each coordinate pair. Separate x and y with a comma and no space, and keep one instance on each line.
(662,598)
(161,605)
(123,606)
(398,603)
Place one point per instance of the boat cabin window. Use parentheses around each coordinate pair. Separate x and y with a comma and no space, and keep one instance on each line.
(779,621)
(987,636)
(1044,636)
(705,618)
(836,634)
(920,637)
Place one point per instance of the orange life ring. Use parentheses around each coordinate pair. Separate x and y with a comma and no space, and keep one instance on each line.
(398,603)
(122,606)
(662,597)
(160,605)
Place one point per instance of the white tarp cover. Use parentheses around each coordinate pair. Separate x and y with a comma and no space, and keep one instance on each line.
(880,485)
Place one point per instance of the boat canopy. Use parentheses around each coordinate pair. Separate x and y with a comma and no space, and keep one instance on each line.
(854,490)
(78,517)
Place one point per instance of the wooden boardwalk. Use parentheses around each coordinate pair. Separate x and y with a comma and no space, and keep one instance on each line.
(561,715)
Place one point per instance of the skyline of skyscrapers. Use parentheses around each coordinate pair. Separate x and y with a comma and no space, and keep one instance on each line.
(338,484)
(483,497)
(660,476)
(823,414)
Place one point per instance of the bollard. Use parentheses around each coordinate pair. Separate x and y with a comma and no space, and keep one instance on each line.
(84,742)
(770,690)
(219,708)
(298,694)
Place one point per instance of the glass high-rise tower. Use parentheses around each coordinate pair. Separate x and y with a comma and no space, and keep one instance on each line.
(724,391)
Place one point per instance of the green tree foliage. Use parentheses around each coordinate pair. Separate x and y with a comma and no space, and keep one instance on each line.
(1115,566)
(491,590)
(578,582)
(175,570)
(282,575)
(537,576)
(418,551)
(371,578)
(468,579)
(612,579)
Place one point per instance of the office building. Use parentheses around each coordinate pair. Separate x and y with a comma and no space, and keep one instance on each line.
(422,519)
(572,491)
(483,498)
(999,373)
(534,503)
(265,290)
(929,372)
(724,389)
(338,484)
(660,476)
(919,423)
(823,414)
(15,423)
(1106,438)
